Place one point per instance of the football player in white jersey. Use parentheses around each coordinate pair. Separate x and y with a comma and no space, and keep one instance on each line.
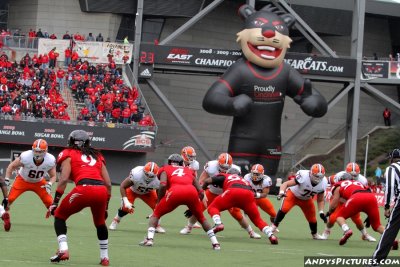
(300,192)
(33,165)
(4,215)
(142,183)
(221,165)
(261,184)
(353,169)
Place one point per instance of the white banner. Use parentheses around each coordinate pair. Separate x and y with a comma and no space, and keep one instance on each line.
(93,52)
(90,51)
(46,45)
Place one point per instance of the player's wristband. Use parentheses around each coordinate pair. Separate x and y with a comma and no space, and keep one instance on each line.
(258,195)
(321,212)
(50,183)
(57,196)
(281,192)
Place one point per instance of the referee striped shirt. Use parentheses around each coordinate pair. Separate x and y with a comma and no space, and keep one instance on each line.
(392,175)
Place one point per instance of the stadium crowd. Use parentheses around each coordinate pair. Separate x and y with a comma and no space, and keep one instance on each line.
(33,89)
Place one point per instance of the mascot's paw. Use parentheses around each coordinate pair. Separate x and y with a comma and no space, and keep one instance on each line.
(314,105)
(241,105)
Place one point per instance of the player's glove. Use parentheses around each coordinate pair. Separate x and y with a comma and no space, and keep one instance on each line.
(5,203)
(127,206)
(367,222)
(7,182)
(323,216)
(47,186)
(51,209)
(54,205)
(188,213)
(281,195)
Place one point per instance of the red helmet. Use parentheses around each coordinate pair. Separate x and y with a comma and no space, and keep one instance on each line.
(150,170)
(224,162)
(39,149)
(353,169)
(317,173)
(188,154)
(257,173)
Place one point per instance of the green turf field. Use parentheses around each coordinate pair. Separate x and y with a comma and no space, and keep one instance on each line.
(32,240)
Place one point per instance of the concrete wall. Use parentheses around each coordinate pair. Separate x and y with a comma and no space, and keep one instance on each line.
(59,16)
(218,30)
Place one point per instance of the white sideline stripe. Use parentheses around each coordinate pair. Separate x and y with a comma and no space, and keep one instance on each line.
(41,262)
(243,250)
(287,249)
(324,254)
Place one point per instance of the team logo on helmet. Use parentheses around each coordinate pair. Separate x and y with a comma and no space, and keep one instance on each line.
(150,170)
(188,154)
(353,169)
(257,173)
(39,149)
(317,173)
(224,162)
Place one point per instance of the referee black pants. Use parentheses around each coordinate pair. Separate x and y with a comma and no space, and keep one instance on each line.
(389,235)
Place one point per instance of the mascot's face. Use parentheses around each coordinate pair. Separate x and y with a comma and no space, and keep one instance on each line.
(265,39)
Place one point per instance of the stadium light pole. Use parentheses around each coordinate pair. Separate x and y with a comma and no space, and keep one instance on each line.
(366,157)
(138,38)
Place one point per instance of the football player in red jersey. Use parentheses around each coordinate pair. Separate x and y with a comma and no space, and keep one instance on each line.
(358,199)
(237,192)
(183,189)
(85,166)
(4,205)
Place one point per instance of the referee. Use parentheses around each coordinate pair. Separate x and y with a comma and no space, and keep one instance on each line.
(388,238)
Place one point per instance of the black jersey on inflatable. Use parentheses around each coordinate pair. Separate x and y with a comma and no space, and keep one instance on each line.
(253,89)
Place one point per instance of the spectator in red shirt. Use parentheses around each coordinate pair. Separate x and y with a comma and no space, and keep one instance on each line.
(85,113)
(126,115)
(60,78)
(53,36)
(68,54)
(53,54)
(74,57)
(116,114)
(45,61)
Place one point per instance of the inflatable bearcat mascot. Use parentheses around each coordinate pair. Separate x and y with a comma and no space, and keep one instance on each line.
(253,89)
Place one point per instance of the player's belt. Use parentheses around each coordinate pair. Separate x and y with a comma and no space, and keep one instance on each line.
(362,191)
(88,181)
(241,186)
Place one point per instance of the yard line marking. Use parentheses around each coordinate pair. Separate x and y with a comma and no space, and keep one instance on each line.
(243,250)
(324,254)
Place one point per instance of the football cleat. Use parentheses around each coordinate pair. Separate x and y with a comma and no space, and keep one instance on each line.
(7,222)
(326,234)
(368,238)
(395,245)
(218,228)
(60,256)
(147,242)
(273,239)
(186,230)
(160,230)
(216,246)
(317,237)
(346,236)
(254,235)
(197,225)
(104,262)
(114,224)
